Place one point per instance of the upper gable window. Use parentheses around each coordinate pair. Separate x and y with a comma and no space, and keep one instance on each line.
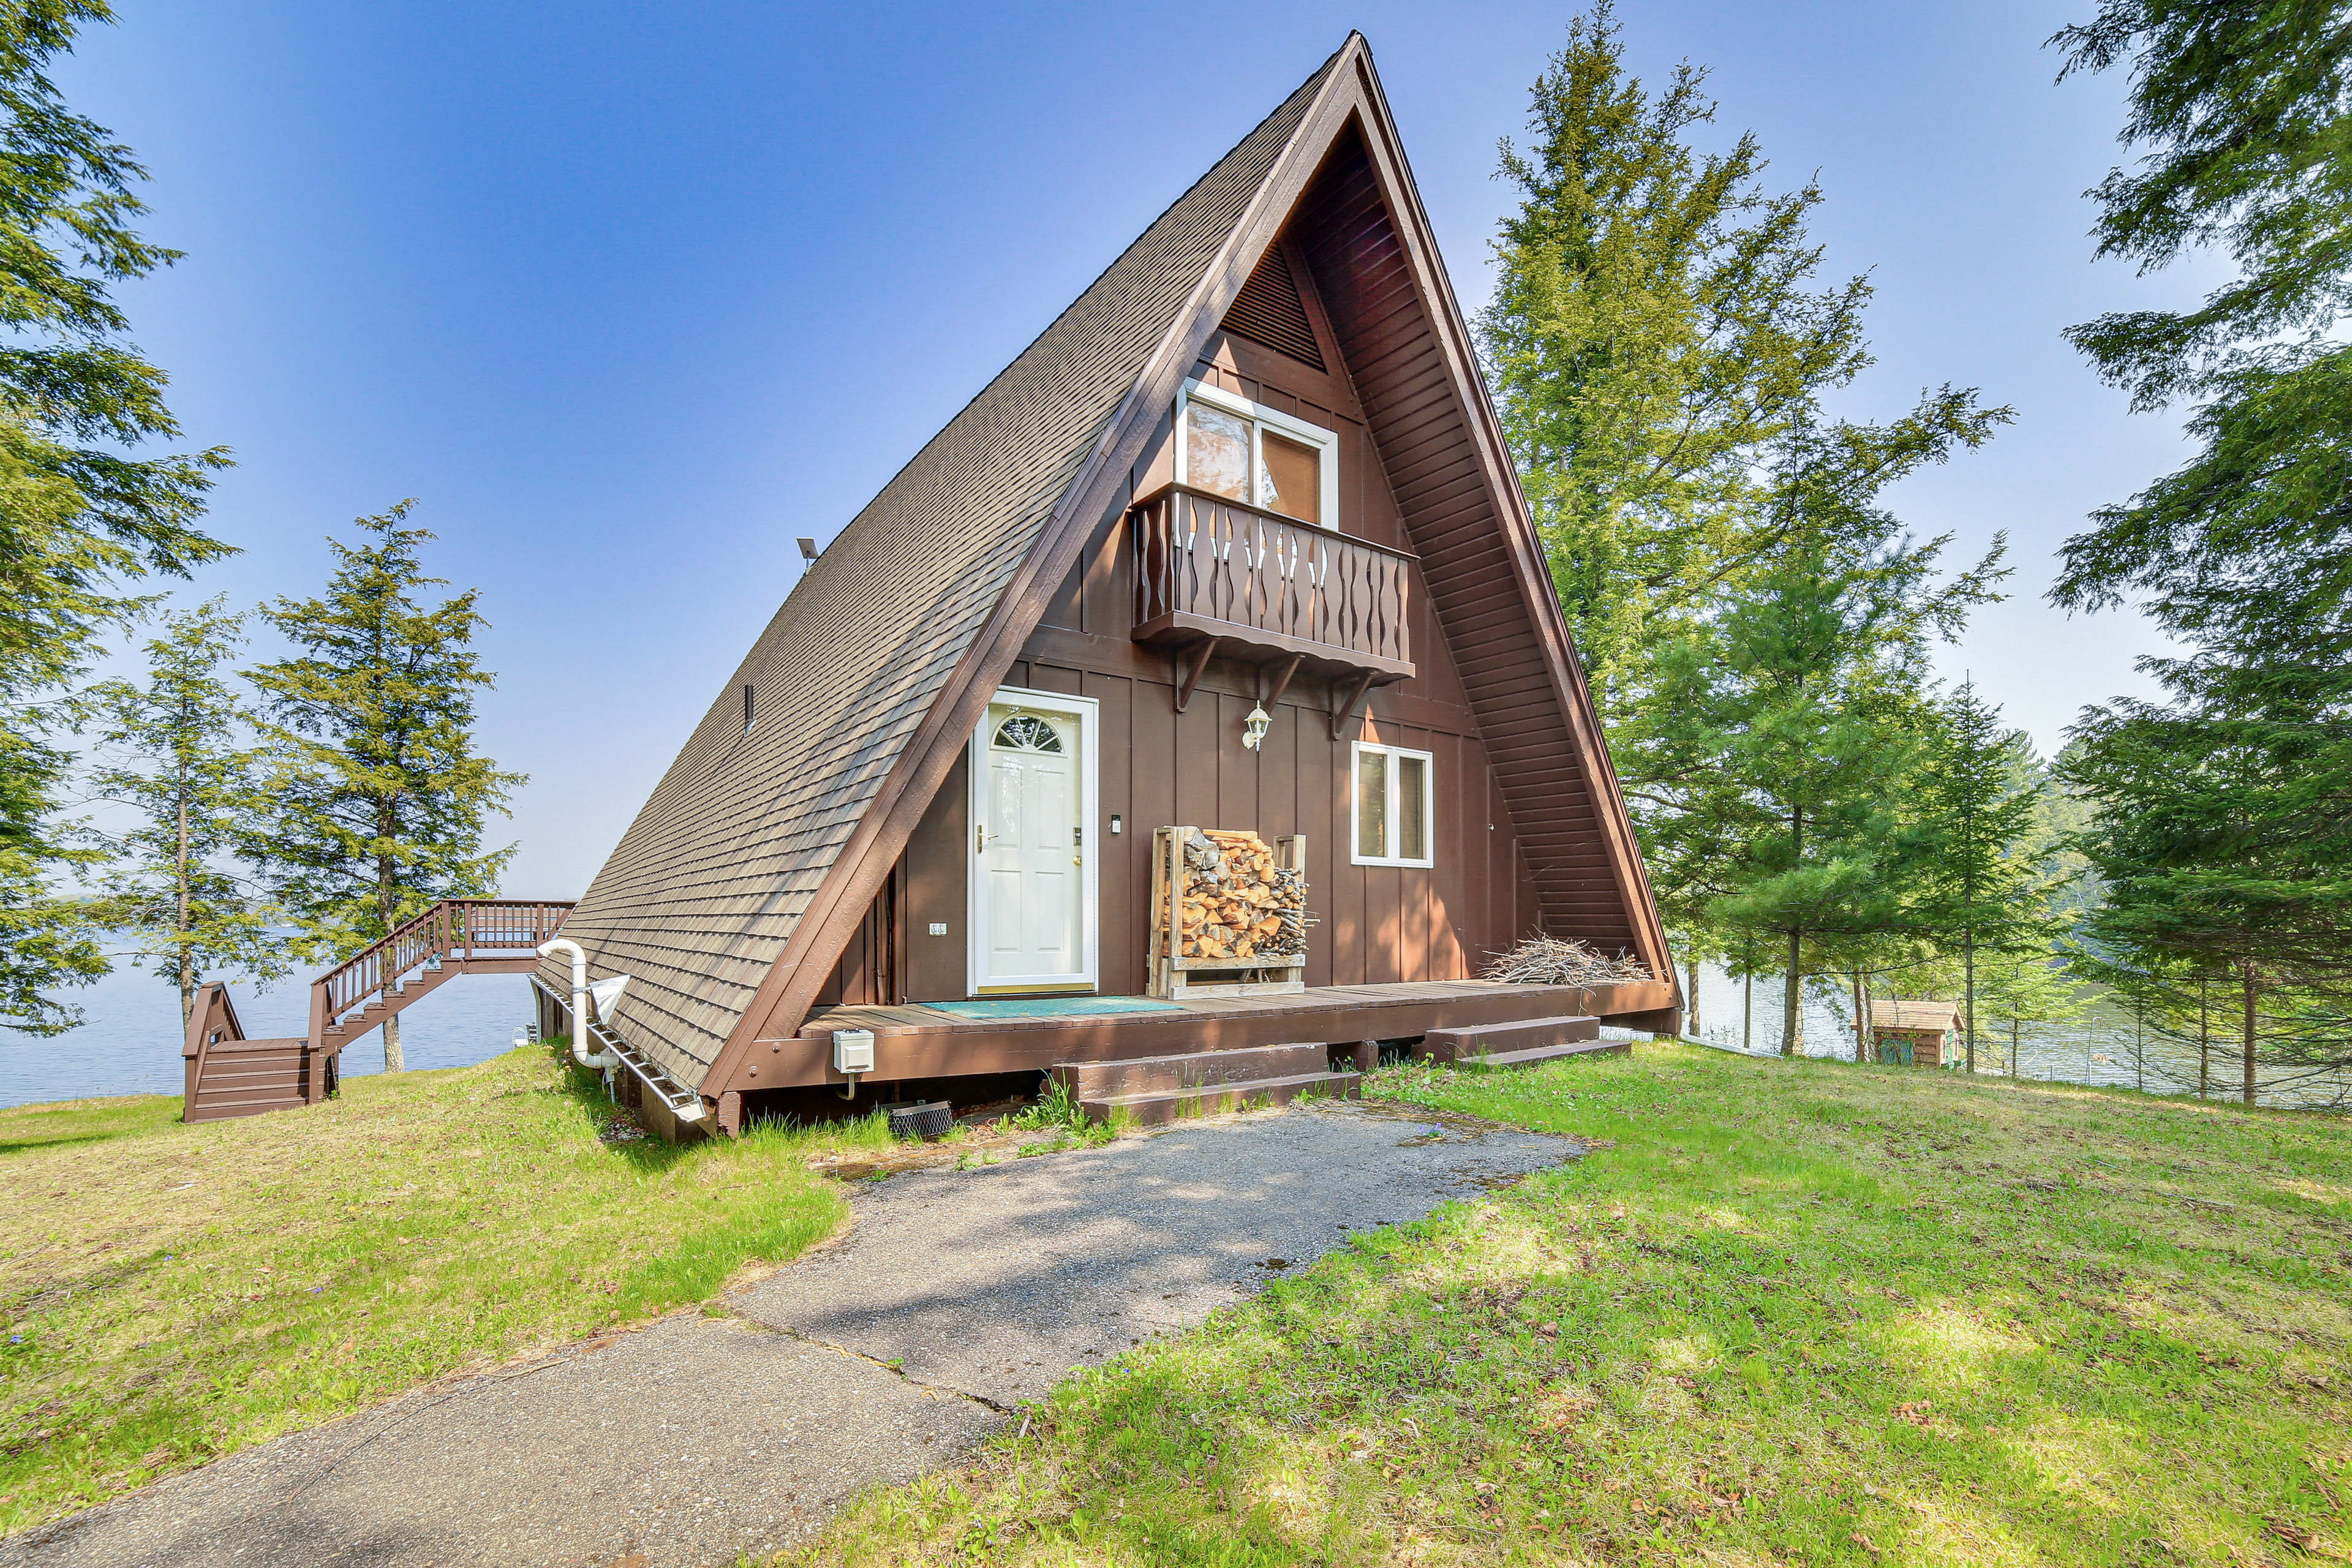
(1259,456)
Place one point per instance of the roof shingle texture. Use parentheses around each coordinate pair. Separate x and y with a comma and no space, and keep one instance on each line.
(702,892)
(1890,1014)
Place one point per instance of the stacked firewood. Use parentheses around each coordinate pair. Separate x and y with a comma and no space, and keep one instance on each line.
(1237,903)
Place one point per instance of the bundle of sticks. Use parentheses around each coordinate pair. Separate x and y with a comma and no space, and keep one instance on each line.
(1548,961)
(1236,903)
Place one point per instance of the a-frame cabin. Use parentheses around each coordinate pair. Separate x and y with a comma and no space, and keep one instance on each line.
(1253,468)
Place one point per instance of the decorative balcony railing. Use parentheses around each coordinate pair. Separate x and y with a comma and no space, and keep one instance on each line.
(1268,587)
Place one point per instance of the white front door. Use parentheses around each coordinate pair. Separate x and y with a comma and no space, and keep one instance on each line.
(1033,882)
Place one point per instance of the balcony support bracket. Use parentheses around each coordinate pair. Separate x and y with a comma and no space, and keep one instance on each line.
(1270,696)
(1345,714)
(1187,680)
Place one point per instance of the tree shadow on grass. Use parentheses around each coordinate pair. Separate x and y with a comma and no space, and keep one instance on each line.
(63,1124)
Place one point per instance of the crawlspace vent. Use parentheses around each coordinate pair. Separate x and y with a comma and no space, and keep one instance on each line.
(1269,311)
(921,1118)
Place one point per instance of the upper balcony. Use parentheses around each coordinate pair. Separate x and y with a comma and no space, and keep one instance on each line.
(1268,587)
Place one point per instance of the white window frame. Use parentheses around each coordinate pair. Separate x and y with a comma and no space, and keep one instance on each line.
(1355,755)
(1325,442)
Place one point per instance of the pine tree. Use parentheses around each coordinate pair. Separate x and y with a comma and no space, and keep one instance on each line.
(1654,329)
(47,939)
(1973,853)
(174,758)
(2208,829)
(1792,756)
(1769,769)
(2224,812)
(80,517)
(2018,989)
(377,802)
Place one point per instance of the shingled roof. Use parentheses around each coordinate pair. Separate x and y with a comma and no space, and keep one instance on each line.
(1929,1017)
(709,884)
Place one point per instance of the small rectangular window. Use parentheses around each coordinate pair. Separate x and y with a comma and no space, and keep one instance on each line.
(747,710)
(1371,805)
(1216,451)
(1229,445)
(1394,808)
(1413,808)
(1290,478)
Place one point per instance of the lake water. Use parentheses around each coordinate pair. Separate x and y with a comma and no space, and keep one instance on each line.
(2105,1047)
(130,1043)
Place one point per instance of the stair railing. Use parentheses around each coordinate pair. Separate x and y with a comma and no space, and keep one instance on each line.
(210,1018)
(454,927)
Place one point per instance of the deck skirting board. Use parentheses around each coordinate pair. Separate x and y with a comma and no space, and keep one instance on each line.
(911,1042)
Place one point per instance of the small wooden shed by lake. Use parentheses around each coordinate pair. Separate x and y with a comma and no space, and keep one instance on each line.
(1915,1034)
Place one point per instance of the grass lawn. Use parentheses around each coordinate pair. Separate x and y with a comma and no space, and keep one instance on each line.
(174,1293)
(1785,1313)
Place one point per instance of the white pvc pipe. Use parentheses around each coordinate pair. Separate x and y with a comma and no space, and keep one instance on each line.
(579,1002)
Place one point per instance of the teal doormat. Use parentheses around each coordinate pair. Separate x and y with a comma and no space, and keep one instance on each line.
(1049,1006)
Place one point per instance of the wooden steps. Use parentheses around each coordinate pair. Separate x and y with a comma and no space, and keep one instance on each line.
(227,1074)
(912,1041)
(245,1078)
(1210,1099)
(1151,1089)
(1523,1043)
(399,995)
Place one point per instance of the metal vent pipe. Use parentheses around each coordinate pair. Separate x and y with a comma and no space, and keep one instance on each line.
(579,1002)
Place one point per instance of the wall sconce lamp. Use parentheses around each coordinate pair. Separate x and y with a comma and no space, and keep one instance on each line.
(1254,729)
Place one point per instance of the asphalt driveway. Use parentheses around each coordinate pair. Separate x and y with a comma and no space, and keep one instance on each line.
(956,1296)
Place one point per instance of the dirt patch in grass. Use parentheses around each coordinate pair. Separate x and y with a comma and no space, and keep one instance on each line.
(1785,1313)
(172,1293)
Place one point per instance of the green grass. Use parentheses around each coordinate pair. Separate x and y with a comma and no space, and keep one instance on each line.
(174,1293)
(1785,1313)
(67,1121)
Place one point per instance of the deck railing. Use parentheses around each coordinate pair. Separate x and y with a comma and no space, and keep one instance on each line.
(1207,566)
(458,928)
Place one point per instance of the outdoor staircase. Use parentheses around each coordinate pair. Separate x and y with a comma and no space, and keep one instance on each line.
(1529,1042)
(1151,1090)
(227,1074)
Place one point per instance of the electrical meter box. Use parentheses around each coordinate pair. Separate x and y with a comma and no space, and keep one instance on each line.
(853,1050)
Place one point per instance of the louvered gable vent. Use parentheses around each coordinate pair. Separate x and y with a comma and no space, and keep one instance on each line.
(1269,311)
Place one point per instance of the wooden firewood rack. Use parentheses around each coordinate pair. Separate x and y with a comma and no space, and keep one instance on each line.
(1174,977)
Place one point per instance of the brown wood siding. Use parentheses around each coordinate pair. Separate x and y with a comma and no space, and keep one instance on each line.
(866,974)
(1380,924)
(933,966)
(1447,515)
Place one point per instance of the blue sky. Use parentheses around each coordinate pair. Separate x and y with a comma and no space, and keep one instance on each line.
(630,296)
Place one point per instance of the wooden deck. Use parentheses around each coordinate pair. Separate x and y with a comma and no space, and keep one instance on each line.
(913,1041)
